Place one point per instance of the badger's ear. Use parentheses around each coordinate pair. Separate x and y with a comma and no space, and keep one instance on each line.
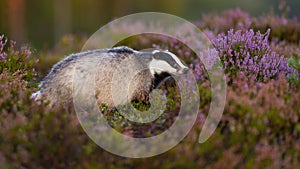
(155,51)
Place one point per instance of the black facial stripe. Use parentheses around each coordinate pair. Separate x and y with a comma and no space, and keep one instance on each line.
(166,57)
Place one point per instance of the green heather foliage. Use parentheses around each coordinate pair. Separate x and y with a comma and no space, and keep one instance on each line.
(294,62)
(260,126)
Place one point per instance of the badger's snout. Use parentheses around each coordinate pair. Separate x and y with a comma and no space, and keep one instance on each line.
(183,70)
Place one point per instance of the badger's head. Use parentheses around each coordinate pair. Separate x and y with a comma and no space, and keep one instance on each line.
(165,62)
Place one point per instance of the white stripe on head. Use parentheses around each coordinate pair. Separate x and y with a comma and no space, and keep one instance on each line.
(159,66)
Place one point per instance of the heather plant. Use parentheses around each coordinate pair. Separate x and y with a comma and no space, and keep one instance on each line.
(283,28)
(284,48)
(33,135)
(228,19)
(260,116)
(12,60)
(250,52)
(259,129)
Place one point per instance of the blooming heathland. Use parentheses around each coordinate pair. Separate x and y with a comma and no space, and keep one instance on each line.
(260,126)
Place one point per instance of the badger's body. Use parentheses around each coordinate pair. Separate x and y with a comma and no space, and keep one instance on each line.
(114,65)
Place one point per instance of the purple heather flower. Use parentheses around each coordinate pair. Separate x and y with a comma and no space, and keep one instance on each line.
(251,53)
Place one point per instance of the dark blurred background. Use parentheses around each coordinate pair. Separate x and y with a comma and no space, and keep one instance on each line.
(42,23)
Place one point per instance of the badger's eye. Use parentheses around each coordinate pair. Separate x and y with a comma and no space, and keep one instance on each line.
(176,66)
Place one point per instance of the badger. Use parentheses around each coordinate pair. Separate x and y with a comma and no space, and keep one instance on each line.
(153,66)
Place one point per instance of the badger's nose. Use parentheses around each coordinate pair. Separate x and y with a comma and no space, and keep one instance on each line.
(185,70)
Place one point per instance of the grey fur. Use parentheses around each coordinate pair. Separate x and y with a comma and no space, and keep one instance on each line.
(58,84)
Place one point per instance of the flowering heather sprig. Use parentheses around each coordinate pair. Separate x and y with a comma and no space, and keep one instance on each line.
(250,53)
(199,71)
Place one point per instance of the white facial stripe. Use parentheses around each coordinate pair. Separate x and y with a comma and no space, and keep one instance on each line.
(158,66)
(176,59)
